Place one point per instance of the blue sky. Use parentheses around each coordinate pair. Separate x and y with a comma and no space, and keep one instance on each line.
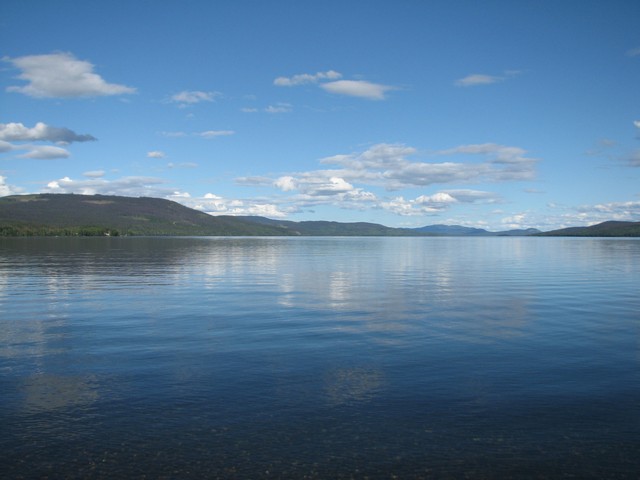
(496,114)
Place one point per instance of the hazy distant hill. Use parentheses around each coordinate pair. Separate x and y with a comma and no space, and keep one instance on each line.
(605,229)
(458,230)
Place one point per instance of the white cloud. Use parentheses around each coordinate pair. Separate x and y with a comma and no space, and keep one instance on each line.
(636,123)
(482,79)
(155,154)
(306,78)
(629,211)
(6,189)
(437,202)
(45,152)
(279,108)
(357,88)
(191,97)
(17,132)
(388,166)
(126,186)
(182,165)
(477,79)
(61,75)
(215,133)
(286,183)
(216,205)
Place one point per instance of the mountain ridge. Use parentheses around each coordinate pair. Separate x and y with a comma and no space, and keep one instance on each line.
(50,214)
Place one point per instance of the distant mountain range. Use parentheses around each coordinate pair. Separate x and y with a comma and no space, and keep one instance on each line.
(91,215)
(457,230)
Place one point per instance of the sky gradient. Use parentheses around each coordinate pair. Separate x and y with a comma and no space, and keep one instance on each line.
(496,114)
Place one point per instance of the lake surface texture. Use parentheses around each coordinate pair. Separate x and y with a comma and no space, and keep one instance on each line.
(319,358)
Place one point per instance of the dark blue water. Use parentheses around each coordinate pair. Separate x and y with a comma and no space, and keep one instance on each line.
(319,358)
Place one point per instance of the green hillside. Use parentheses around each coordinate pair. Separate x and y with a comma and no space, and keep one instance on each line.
(70,214)
(98,215)
(326,228)
(605,229)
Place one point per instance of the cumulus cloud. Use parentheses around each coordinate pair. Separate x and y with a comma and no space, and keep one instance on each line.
(387,165)
(437,202)
(390,166)
(155,154)
(217,205)
(505,163)
(41,132)
(305,78)
(45,152)
(6,189)
(357,88)
(126,186)
(191,97)
(286,183)
(61,75)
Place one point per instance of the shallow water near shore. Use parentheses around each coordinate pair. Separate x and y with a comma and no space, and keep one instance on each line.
(319,357)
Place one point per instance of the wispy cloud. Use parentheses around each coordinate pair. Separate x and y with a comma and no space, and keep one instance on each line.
(306,78)
(331,82)
(634,159)
(61,75)
(215,133)
(155,154)
(357,88)
(634,52)
(279,108)
(476,79)
(204,134)
(44,152)
(191,97)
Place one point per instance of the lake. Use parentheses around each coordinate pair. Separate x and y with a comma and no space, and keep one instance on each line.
(319,357)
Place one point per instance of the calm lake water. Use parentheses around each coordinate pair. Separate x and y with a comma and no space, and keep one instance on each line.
(319,358)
